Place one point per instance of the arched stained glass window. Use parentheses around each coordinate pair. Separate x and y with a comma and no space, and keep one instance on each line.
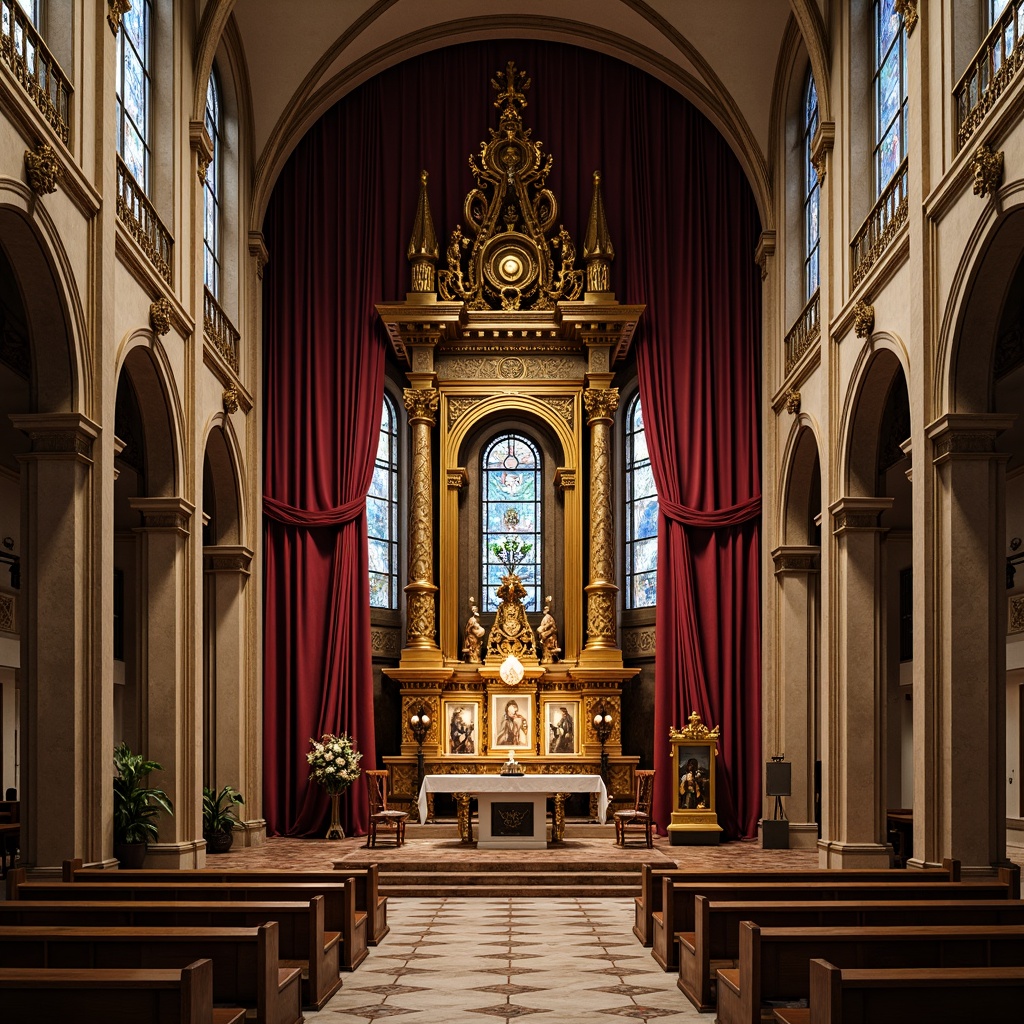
(211,192)
(641,514)
(134,90)
(812,193)
(511,511)
(890,88)
(382,512)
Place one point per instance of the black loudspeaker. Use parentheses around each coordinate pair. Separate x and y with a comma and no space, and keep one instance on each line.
(778,778)
(774,834)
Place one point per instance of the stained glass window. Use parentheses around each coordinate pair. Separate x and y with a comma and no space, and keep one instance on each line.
(812,193)
(995,8)
(134,90)
(211,192)
(890,89)
(382,512)
(511,511)
(641,515)
(31,8)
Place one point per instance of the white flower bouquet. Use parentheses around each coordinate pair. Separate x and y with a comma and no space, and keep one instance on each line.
(333,762)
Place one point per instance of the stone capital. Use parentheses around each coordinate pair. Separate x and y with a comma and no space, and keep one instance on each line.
(227,558)
(457,478)
(796,559)
(565,478)
(67,434)
(421,404)
(764,252)
(858,514)
(202,145)
(966,435)
(164,514)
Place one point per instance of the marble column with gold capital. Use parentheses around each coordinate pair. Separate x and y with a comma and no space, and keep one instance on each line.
(602,645)
(421,638)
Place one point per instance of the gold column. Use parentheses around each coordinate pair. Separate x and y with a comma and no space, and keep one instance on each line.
(421,404)
(600,404)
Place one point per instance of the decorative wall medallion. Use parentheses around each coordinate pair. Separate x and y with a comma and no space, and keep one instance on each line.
(987,168)
(792,402)
(42,169)
(160,316)
(511,368)
(863,319)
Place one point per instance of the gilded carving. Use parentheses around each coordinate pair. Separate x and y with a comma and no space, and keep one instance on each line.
(792,401)
(421,404)
(695,729)
(42,169)
(599,360)
(230,399)
(987,168)
(562,408)
(863,319)
(420,610)
(565,479)
(116,10)
(160,316)
(421,357)
(458,407)
(422,252)
(600,404)
(456,478)
(598,251)
(512,368)
(1016,616)
(907,10)
(489,368)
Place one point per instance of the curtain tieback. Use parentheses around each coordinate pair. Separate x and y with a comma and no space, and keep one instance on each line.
(733,515)
(285,513)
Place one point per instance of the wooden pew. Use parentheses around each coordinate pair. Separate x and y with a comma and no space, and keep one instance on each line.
(651,877)
(714,942)
(774,969)
(246,966)
(340,914)
(367,880)
(676,914)
(303,940)
(98,997)
(943,995)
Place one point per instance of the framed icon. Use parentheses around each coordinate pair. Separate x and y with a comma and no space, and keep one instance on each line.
(511,721)
(460,723)
(694,752)
(561,725)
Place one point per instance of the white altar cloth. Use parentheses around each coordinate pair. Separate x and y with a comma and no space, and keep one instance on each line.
(546,785)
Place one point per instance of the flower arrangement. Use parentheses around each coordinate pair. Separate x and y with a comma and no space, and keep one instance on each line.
(511,553)
(333,762)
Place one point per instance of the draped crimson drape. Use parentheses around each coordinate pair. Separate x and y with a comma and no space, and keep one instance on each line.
(337,227)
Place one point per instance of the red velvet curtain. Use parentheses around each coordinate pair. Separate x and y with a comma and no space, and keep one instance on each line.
(684,225)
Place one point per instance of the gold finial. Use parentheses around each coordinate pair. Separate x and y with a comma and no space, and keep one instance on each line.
(423,251)
(505,84)
(598,250)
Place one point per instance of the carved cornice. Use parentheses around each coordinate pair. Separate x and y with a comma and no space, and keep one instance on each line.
(565,479)
(227,558)
(42,169)
(792,558)
(457,478)
(57,434)
(160,316)
(863,319)
(858,513)
(821,145)
(907,10)
(966,435)
(421,404)
(258,251)
(600,404)
(202,145)
(502,368)
(987,168)
(171,514)
(764,251)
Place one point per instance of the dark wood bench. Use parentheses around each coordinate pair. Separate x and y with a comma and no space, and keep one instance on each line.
(98,997)
(714,942)
(10,838)
(246,963)
(303,940)
(367,881)
(676,914)
(938,995)
(650,898)
(340,914)
(774,962)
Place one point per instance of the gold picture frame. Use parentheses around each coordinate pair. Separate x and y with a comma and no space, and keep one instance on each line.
(561,726)
(461,720)
(511,721)
(694,756)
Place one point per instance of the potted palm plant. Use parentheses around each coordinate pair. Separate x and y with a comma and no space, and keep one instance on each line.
(220,817)
(136,806)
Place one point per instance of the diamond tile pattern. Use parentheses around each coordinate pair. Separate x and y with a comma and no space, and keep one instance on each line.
(563,960)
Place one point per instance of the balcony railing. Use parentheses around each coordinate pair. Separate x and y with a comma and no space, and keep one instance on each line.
(138,216)
(803,332)
(220,330)
(24,52)
(990,72)
(887,217)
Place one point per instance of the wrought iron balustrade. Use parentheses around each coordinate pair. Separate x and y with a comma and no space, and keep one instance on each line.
(887,216)
(136,212)
(22,49)
(220,330)
(802,334)
(990,72)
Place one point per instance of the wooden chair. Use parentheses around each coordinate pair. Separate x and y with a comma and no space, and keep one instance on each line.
(639,815)
(380,816)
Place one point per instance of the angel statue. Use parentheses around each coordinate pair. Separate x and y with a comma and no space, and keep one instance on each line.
(547,632)
(473,638)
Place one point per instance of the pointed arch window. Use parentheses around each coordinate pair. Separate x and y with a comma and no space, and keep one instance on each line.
(382,512)
(890,92)
(641,514)
(135,90)
(211,191)
(511,509)
(812,193)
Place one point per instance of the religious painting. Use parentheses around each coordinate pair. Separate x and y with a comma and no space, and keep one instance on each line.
(461,726)
(511,718)
(561,727)
(694,777)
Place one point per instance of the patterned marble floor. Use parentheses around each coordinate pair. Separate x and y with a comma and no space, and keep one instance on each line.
(487,961)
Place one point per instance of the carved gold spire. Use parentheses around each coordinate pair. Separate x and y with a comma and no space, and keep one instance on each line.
(423,251)
(598,250)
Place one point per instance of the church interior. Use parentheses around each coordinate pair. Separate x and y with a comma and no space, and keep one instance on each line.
(626,393)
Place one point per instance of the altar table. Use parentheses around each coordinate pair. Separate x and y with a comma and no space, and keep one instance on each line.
(512,807)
